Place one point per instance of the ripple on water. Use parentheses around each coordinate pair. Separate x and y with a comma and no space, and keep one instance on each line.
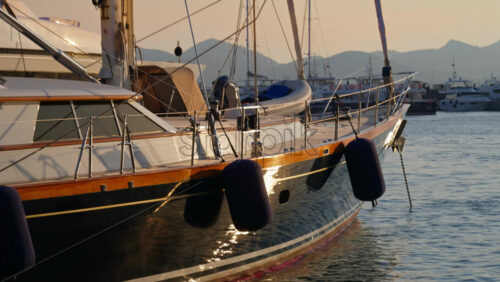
(453,231)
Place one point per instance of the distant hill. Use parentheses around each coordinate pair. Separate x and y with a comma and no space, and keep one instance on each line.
(433,65)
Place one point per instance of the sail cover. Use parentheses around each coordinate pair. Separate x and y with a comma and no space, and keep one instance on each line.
(166,91)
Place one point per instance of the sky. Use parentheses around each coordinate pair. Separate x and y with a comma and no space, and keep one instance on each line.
(337,25)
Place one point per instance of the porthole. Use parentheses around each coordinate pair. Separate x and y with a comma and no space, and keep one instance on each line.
(284,196)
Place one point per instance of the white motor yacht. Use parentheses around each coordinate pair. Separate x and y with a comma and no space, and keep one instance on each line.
(461,97)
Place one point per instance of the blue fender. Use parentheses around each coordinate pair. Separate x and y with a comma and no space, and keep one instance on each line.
(247,195)
(16,248)
(364,169)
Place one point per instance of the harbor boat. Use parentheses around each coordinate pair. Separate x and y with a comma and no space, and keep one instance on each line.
(421,103)
(460,96)
(492,88)
(96,186)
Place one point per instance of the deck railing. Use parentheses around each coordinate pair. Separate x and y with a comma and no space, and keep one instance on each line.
(365,112)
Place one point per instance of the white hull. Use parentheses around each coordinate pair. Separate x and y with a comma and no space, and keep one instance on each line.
(463,106)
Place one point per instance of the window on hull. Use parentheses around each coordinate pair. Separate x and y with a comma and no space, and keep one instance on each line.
(70,120)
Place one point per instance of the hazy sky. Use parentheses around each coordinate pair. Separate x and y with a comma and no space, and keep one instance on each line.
(337,25)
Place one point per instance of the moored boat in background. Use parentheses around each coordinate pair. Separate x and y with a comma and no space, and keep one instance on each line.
(460,96)
(421,103)
(492,88)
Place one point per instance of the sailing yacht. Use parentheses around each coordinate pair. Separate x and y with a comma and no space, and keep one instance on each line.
(99,183)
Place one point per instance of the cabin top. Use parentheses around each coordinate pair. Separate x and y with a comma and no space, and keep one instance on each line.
(46,110)
(42,89)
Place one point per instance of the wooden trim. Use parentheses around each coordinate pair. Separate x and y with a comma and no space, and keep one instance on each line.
(115,182)
(95,97)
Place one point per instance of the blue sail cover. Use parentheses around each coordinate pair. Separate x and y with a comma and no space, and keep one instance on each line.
(275,91)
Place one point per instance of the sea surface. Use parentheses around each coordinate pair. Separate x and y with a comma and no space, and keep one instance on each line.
(452,233)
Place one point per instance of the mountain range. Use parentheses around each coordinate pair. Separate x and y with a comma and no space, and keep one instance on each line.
(433,65)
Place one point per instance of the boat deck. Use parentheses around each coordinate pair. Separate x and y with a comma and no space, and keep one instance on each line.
(318,133)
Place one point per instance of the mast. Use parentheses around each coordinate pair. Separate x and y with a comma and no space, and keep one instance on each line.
(118,48)
(309,38)
(248,52)
(387,69)
(454,74)
(256,93)
(300,63)
(130,33)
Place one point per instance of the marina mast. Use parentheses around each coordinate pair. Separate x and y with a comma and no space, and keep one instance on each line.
(293,20)
(118,46)
(309,38)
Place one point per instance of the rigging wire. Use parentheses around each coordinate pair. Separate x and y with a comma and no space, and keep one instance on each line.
(255,86)
(219,72)
(284,35)
(322,34)
(217,44)
(34,20)
(315,56)
(196,53)
(269,64)
(322,31)
(178,21)
(22,51)
(232,70)
(207,50)
(229,54)
(137,41)
(137,94)
(99,60)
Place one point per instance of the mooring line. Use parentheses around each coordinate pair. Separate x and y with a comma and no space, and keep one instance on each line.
(406,180)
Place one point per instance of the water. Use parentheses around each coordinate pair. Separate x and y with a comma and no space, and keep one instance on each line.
(453,232)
